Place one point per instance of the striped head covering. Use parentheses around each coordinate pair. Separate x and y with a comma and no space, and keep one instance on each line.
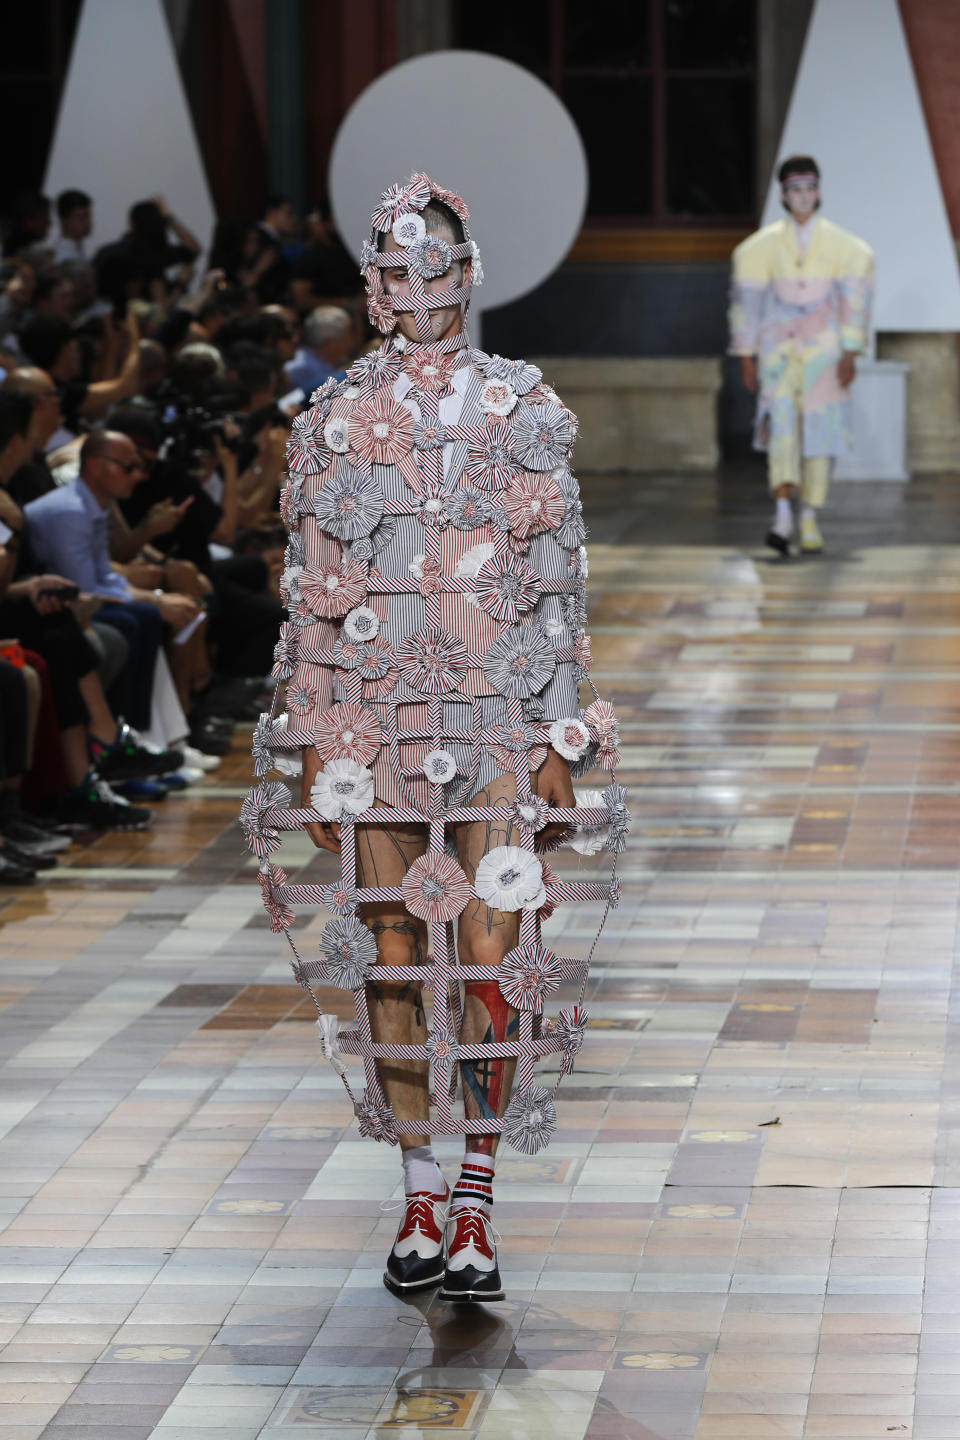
(424,256)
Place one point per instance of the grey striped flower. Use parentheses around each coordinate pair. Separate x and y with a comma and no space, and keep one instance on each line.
(530,1120)
(349,950)
(542,435)
(350,505)
(520,661)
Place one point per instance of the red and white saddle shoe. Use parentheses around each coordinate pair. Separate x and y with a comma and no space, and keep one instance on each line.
(416,1260)
(472,1272)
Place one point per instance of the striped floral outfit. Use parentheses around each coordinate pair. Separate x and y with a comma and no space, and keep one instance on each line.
(435,640)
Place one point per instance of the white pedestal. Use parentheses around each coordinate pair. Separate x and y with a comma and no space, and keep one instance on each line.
(878,423)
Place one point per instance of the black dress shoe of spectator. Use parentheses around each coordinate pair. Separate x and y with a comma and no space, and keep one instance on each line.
(130,757)
(25,832)
(209,741)
(27,854)
(11,873)
(95,806)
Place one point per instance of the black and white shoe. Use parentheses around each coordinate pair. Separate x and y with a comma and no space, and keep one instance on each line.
(131,757)
(778,542)
(95,806)
(416,1260)
(31,837)
(471,1272)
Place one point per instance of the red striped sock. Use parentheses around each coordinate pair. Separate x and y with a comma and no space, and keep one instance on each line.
(474,1189)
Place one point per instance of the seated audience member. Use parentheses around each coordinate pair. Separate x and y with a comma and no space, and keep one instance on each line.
(326,351)
(19,700)
(247,586)
(34,478)
(275,230)
(32,610)
(239,252)
(69,532)
(136,265)
(324,271)
(29,223)
(75,213)
(54,295)
(49,343)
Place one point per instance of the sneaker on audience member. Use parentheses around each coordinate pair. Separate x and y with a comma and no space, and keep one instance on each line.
(25,831)
(13,873)
(26,854)
(196,759)
(130,757)
(95,806)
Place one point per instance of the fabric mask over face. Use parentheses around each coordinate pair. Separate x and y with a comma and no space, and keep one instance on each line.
(424,257)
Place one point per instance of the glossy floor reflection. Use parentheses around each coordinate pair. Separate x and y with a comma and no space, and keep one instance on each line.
(749,1223)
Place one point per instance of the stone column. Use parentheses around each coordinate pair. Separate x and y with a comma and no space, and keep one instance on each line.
(933,387)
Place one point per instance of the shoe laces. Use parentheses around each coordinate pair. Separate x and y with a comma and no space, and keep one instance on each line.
(426,1204)
(107,794)
(477,1225)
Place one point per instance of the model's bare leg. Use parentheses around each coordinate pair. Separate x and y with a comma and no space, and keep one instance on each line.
(396,1008)
(483,938)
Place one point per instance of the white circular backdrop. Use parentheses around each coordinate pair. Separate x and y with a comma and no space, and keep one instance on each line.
(484,128)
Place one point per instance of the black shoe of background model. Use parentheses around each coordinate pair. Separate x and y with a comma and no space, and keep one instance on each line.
(30,857)
(780,543)
(130,757)
(12,873)
(95,806)
(32,837)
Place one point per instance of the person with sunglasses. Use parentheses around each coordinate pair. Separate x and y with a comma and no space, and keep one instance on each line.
(69,533)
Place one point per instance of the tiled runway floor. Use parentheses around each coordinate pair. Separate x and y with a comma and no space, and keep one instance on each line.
(749,1224)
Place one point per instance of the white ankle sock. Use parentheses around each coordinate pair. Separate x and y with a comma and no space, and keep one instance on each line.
(421,1171)
(783,519)
(474,1189)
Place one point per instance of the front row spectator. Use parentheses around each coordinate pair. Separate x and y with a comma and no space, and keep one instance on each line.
(34,611)
(69,532)
(328,347)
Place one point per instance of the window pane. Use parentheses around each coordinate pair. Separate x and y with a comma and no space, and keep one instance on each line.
(710,147)
(716,36)
(617,35)
(519,32)
(613,115)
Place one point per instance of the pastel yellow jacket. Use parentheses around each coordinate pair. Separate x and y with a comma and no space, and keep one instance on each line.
(787,307)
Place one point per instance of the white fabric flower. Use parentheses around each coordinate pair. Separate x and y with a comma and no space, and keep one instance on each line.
(400,342)
(569,738)
(468,566)
(416,566)
(510,878)
(497,397)
(439,766)
(336,432)
(553,628)
(342,787)
(361,624)
(584,562)
(352,392)
(408,229)
(477,267)
(589,840)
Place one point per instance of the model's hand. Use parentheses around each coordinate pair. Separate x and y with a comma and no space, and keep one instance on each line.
(748,372)
(325,834)
(552,783)
(846,369)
